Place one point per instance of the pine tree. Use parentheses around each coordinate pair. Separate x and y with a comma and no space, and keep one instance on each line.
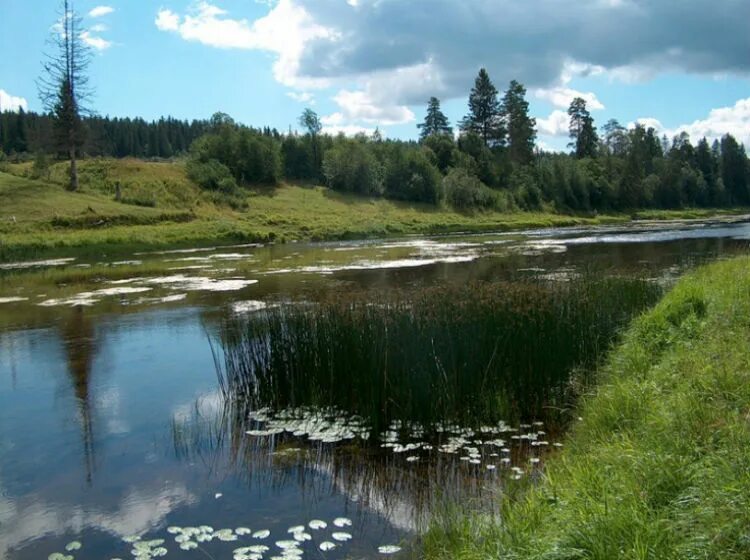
(521,128)
(63,87)
(485,116)
(435,122)
(582,130)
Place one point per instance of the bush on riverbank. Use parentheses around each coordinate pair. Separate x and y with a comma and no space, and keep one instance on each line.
(658,467)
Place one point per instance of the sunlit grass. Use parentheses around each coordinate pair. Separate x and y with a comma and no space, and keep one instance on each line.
(658,467)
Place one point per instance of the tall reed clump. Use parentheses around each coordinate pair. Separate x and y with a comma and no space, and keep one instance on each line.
(471,354)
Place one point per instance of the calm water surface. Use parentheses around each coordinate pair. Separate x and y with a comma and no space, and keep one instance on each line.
(111,423)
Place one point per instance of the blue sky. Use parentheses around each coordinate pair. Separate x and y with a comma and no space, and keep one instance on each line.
(361,64)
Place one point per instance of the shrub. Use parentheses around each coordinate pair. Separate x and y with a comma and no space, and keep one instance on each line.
(350,166)
(412,176)
(212,175)
(464,191)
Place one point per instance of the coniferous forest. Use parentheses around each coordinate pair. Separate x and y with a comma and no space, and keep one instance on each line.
(490,160)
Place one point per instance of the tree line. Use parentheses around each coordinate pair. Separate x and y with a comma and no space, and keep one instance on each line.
(491,162)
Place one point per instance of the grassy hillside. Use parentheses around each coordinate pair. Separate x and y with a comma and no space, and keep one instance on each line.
(659,465)
(160,206)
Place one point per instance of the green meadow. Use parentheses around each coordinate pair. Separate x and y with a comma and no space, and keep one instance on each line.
(160,207)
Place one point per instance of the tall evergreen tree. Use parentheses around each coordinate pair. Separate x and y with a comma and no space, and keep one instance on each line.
(435,122)
(734,170)
(63,87)
(582,130)
(485,115)
(521,128)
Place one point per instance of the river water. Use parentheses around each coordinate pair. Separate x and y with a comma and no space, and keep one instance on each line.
(112,426)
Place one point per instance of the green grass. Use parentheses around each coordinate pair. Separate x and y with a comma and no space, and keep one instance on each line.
(658,467)
(473,354)
(161,207)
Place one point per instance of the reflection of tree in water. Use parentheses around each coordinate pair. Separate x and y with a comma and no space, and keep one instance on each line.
(79,340)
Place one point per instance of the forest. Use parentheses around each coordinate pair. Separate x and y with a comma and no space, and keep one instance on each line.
(489,161)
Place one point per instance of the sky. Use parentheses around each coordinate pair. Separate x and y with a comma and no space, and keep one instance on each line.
(677,65)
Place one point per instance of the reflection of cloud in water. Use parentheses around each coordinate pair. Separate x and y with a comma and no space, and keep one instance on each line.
(139,512)
(208,405)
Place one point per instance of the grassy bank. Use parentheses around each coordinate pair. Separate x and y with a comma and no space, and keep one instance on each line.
(659,464)
(160,207)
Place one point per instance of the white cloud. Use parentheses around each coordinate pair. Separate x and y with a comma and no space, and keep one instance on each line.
(12,103)
(557,124)
(167,20)
(734,120)
(560,97)
(302,97)
(100,11)
(362,106)
(95,42)
(285,30)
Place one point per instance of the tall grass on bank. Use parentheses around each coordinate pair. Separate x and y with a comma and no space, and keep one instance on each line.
(469,354)
(659,466)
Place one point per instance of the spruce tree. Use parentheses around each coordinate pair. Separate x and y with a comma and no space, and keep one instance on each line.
(485,115)
(521,128)
(63,87)
(435,122)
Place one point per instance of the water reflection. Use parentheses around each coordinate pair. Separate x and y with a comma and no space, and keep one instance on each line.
(78,335)
(111,424)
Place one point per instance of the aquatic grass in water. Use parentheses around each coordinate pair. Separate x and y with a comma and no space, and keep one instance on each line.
(472,354)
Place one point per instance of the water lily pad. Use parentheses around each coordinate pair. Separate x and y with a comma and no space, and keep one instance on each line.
(71,546)
(242,531)
(340,536)
(263,534)
(389,549)
(342,522)
(325,546)
(317,524)
(285,545)
(188,545)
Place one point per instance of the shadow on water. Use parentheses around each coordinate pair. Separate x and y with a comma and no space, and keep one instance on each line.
(78,335)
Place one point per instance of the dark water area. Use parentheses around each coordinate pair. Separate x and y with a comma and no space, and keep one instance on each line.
(112,424)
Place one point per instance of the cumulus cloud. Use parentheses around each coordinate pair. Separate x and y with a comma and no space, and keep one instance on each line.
(12,103)
(302,97)
(383,56)
(561,97)
(100,11)
(95,42)
(734,120)
(285,31)
(554,125)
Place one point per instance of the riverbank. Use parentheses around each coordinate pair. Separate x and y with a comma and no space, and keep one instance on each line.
(160,207)
(657,467)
